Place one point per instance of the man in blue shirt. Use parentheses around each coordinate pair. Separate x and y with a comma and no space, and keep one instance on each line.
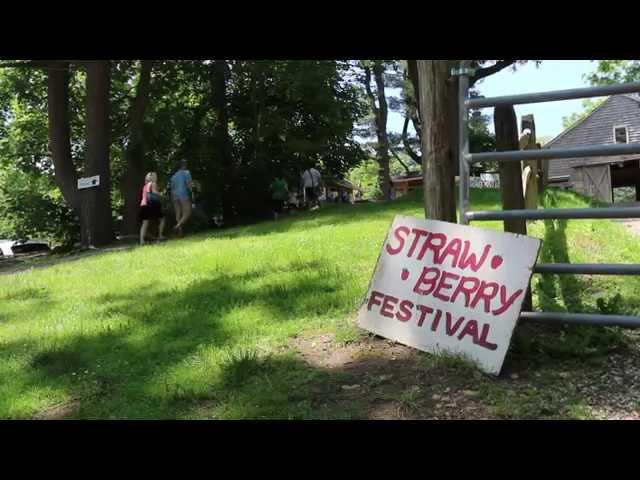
(181,185)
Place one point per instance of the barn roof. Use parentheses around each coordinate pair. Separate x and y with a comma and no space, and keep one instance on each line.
(596,128)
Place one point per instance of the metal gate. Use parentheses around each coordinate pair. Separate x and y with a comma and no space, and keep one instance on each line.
(466,215)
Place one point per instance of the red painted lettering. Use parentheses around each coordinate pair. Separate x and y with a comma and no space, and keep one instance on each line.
(418,232)
(404,314)
(423,313)
(442,285)
(481,294)
(453,249)
(429,243)
(373,299)
(483,342)
(425,279)
(466,291)
(394,250)
(470,260)
(387,303)
(471,329)
(436,320)
(505,302)
(452,329)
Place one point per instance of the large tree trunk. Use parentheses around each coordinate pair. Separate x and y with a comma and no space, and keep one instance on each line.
(380,113)
(98,199)
(384,174)
(439,141)
(60,133)
(135,152)
(222,142)
(65,174)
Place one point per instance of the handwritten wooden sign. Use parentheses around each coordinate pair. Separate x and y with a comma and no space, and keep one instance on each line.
(440,286)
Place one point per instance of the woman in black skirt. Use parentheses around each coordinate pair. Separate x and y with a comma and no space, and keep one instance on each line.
(150,206)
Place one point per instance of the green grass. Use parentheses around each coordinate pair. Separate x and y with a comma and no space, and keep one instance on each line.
(199,327)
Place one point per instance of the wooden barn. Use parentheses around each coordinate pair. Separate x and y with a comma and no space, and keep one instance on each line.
(616,120)
(339,190)
(404,184)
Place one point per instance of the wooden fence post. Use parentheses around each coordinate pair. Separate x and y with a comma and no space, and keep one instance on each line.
(506,127)
(529,167)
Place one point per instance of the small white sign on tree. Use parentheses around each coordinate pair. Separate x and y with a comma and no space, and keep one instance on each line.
(88,182)
(441,286)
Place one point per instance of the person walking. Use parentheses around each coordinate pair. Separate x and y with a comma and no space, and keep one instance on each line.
(279,195)
(311,183)
(181,186)
(150,207)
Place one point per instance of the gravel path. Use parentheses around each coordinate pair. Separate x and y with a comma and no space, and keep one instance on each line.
(632,224)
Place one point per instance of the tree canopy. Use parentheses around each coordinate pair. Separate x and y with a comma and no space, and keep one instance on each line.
(273,118)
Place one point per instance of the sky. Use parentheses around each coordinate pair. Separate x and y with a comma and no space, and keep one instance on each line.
(549,75)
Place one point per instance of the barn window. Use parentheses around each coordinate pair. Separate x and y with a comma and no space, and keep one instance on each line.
(620,135)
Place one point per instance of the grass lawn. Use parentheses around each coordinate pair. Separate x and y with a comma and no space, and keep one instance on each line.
(203,327)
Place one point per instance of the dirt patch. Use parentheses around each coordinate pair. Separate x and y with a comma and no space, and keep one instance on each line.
(388,381)
(632,225)
(59,411)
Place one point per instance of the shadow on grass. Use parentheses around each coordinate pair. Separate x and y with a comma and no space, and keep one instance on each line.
(373,387)
(552,287)
(158,330)
(539,344)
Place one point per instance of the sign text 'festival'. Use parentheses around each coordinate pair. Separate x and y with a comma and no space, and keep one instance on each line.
(440,286)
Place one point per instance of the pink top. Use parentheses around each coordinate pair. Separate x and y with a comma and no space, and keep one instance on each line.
(145,190)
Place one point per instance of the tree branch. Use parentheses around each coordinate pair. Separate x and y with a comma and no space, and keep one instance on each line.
(60,65)
(485,72)
(404,165)
(378,72)
(367,86)
(412,72)
(405,141)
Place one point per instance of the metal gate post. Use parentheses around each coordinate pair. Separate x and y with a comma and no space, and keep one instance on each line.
(463,143)
(466,215)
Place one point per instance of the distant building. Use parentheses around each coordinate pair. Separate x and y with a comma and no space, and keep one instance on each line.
(403,184)
(615,121)
(339,190)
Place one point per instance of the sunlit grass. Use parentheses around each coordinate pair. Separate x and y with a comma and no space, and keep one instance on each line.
(189,328)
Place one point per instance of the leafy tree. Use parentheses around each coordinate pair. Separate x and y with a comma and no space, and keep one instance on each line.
(384,74)
(236,122)
(607,72)
(31,206)
(615,71)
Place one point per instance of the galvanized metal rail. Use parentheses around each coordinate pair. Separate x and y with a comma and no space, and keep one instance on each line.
(588,92)
(583,318)
(576,152)
(555,213)
(466,216)
(588,268)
